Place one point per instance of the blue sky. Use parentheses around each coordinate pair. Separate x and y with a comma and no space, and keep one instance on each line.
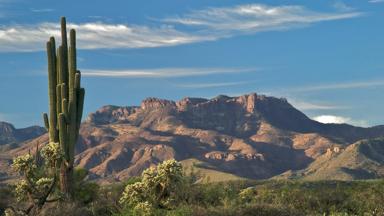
(325,57)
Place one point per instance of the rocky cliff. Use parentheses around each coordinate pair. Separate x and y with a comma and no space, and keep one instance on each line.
(252,136)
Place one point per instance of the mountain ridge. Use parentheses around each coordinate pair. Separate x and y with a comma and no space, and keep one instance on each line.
(10,135)
(250,136)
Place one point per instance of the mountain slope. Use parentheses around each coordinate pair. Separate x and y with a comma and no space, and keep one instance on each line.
(9,135)
(361,160)
(250,136)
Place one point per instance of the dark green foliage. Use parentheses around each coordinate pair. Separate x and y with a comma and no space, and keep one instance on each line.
(84,192)
(229,199)
(5,198)
(323,197)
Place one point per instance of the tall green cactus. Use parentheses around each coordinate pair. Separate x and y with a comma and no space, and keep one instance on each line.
(66,100)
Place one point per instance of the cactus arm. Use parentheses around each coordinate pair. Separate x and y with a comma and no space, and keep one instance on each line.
(80,106)
(53,136)
(58,65)
(64,92)
(72,60)
(64,46)
(62,135)
(64,107)
(46,121)
(59,99)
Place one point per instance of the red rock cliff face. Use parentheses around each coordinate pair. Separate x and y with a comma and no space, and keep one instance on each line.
(252,136)
(155,103)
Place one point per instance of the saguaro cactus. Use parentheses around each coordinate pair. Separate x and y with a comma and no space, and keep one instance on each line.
(66,100)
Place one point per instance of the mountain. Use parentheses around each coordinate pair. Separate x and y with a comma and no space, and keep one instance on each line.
(361,160)
(250,136)
(9,135)
(11,138)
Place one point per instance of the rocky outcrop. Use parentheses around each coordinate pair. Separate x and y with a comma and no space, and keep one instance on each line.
(111,114)
(155,103)
(251,136)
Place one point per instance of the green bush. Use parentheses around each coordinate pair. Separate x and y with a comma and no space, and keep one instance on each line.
(167,191)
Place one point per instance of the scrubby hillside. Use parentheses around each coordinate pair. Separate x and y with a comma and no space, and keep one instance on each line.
(361,160)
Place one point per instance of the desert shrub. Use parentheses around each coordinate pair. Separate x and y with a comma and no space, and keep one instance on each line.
(6,198)
(84,192)
(250,210)
(159,188)
(167,191)
(322,197)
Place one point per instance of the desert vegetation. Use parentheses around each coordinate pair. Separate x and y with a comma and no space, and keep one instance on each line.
(168,190)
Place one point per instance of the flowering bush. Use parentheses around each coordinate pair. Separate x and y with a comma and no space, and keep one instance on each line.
(51,153)
(159,187)
(39,179)
(21,190)
(24,164)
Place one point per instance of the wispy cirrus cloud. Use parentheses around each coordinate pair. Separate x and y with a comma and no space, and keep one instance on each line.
(162,72)
(306,105)
(253,18)
(211,85)
(376,1)
(208,25)
(42,10)
(342,6)
(97,35)
(335,86)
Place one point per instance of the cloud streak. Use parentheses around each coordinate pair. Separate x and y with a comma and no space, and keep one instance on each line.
(162,72)
(42,10)
(341,6)
(337,86)
(376,1)
(304,106)
(211,85)
(207,25)
(253,18)
(97,35)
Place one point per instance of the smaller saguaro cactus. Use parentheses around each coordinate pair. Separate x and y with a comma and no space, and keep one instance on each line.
(66,100)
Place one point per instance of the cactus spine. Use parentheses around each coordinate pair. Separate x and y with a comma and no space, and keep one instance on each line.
(66,100)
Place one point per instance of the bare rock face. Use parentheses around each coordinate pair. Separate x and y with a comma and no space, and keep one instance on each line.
(10,135)
(251,136)
(111,114)
(155,103)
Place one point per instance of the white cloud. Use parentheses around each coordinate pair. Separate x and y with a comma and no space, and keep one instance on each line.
(94,35)
(303,105)
(42,10)
(211,24)
(331,119)
(327,119)
(376,1)
(347,85)
(162,72)
(252,18)
(341,6)
(211,85)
